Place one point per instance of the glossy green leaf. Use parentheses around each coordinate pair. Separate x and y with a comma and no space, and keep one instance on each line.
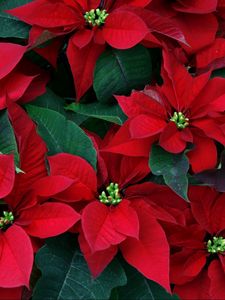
(111,113)
(173,168)
(62,135)
(140,288)
(65,275)
(119,71)
(8,143)
(54,102)
(10,25)
(218,73)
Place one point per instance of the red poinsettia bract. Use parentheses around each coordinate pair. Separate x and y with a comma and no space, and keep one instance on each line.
(110,219)
(198,247)
(192,18)
(23,216)
(121,24)
(20,80)
(183,110)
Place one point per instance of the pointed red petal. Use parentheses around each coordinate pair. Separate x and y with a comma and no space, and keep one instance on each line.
(125,220)
(82,63)
(46,14)
(193,28)
(124,29)
(140,103)
(211,129)
(196,289)
(32,151)
(7,174)
(204,154)
(17,84)
(171,139)
(10,55)
(11,294)
(150,254)
(99,260)
(217,278)
(196,6)
(144,126)
(82,38)
(122,143)
(51,185)
(202,200)
(98,226)
(16,259)
(125,169)
(49,219)
(74,167)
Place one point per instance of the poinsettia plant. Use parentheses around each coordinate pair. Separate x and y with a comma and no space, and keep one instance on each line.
(112,135)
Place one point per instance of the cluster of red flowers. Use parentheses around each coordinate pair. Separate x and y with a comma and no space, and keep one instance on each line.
(177,244)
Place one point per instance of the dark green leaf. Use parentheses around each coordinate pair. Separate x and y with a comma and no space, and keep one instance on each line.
(65,275)
(120,71)
(54,102)
(140,288)
(173,168)
(218,73)
(100,127)
(51,101)
(8,143)
(110,113)
(62,135)
(11,26)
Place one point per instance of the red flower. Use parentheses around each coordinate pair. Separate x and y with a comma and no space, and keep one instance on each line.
(19,80)
(22,216)
(198,247)
(121,24)
(7,174)
(11,294)
(111,219)
(183,110)
(211,57)
(192,17)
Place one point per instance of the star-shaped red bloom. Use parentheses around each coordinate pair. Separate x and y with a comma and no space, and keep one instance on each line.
(113,215)
(183,110)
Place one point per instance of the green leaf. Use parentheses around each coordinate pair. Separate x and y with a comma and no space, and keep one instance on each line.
(10,25)
(218,73)
(120,71)
(51,101)
(54,102)
(110,113)
(8,143)
(140,288)
(62,135)
(173,168)
(65,275)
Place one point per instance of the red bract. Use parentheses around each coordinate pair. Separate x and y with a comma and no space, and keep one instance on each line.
(192,17)
(11,294)
(7,174)
(183,110)
(119,28)
(19,79)
(121,24)
(21,213)
(111,220)
(198,246)
(211,57)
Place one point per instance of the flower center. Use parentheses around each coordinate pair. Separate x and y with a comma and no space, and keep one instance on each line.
(96,17)
(113,196)
(180,120)
(216,245)
(6,220)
